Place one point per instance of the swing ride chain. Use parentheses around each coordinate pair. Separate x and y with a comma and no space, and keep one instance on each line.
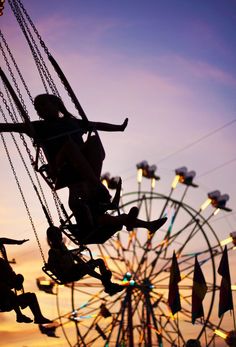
(29,43)
(15,65)
(21,136)
(40,64)
(26,112)
(27,149)
(18,90)
(43,45)
(23,197)
(38,59)
(33,26)
(14,81)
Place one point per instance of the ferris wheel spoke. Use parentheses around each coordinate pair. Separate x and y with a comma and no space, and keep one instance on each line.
(169,326)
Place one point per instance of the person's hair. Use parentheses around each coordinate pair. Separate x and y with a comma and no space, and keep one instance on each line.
(53,99)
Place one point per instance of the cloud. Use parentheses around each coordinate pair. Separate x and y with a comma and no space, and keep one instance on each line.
(203,70)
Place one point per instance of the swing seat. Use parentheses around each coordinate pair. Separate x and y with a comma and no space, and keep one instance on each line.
(60,280)
(97,236)
(48,271)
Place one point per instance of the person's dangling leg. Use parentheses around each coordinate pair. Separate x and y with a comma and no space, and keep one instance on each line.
(92,187)
(109,287)
(12,298)
(131,221)
(30,299)
(94,153)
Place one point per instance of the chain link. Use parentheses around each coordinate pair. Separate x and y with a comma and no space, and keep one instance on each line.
(20,154)
(19,12)
(21,192)
(16,66)
(42,68)
(26,112)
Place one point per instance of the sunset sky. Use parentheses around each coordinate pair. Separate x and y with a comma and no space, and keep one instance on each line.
(169,66)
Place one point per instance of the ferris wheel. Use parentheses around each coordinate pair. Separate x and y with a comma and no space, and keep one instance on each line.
(140,314)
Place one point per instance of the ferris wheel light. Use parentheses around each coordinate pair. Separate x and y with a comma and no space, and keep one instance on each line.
(220,333)
(105,183)
(226,241)
(175,181)
(139,175)
(216,211)
(205,204)
(231,238)
(218,200)
(153,183)
(105,179)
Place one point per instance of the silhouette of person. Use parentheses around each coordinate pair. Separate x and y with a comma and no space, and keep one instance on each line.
(9,300)
(60,135)
(94,226)
(68,266)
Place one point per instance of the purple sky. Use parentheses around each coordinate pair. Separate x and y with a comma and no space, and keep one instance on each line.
(167,65)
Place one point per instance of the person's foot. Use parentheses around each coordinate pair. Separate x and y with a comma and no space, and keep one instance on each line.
(131,218)
(124,125)
(23,319)
(113,288)
(156,224)
(42,320)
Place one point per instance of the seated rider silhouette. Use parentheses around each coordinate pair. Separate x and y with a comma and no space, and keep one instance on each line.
(95,226)
(60,135)
(69,266)
(10,283)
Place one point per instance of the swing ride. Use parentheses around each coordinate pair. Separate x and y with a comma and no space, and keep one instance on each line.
(140,262)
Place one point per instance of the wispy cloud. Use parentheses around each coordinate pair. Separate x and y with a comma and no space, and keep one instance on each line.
(200,69)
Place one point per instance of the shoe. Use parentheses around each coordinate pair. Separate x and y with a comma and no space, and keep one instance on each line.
(156,224)
(113,289)
(23,319)
(132,216)
(42,320)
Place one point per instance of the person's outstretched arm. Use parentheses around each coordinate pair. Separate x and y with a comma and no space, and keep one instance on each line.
(14,127)
(108,126)
(6,241)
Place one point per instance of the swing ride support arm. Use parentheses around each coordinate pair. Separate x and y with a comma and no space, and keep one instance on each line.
(68,87)
(16,99)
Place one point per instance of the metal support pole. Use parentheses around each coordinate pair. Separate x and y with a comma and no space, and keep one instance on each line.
(130,317)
